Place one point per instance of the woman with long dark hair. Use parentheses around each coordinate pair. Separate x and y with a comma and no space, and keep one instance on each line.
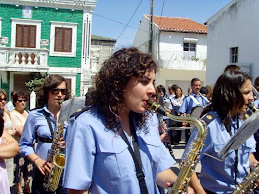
(102,141)
(41,125)
(232,94)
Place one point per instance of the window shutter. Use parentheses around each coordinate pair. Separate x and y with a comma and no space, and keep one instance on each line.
(63,39)
(18,36)
(25,36)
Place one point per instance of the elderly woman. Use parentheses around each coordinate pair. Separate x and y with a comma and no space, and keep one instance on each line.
(23,167)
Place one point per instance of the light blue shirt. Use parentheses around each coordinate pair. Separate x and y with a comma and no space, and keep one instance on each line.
(256,103)
(98,159)
(36,122)
(188,103)
(218,176)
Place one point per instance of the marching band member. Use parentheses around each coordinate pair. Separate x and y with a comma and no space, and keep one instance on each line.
(101,141)
(40,125)
(231,95)
(194,99)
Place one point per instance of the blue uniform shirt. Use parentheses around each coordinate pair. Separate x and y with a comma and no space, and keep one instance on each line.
(188,103)
(36,122)
(98,159)
(218,176)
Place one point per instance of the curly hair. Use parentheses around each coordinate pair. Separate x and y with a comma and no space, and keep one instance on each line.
(226,93)
(17,95)
(112,79)
(52,81)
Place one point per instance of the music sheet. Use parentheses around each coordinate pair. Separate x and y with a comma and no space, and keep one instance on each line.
(250,126)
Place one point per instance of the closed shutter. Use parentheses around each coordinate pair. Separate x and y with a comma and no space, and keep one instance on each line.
(63,39)
(25,36)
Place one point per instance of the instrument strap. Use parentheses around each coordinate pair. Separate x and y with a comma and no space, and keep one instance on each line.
(136,156)
(49,123)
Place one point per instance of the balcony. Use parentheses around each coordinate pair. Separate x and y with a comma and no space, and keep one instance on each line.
(23,59)
(183,60)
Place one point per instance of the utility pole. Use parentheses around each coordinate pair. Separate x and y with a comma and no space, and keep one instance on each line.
(150,45)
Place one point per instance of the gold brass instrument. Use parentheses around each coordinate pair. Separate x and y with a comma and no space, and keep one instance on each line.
(250,181)
(191,158)
(57,159)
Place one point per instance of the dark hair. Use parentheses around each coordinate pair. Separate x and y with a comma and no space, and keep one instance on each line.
(226,93)
(160,89)
(232,68)
(17,95)
(177,89)
(256,83)
(204,90)
(50,82)
(194,80)
(1,122)
(89,96)
(3,92)
(112,79)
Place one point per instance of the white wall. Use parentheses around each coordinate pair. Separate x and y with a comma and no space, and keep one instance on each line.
(236,25)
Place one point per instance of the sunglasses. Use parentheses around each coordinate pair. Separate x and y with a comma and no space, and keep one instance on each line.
(57,90)
(20,100)
(2,99)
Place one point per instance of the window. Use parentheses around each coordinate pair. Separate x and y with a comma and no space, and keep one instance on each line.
(189,47)
(63,39)
(234,54)
(26,33)
(25,36)
(189,51)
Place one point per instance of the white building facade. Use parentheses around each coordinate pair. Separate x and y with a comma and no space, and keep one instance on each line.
(233,39)
(179,47)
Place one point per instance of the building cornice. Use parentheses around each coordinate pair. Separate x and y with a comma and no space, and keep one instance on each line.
(57,4)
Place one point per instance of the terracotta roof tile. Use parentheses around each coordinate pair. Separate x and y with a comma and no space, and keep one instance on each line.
(178,25)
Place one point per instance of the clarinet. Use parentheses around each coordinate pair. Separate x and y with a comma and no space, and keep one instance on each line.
(161,124)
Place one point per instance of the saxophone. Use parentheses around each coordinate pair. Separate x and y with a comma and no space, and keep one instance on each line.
(57,159)
(191,158)
(250,181)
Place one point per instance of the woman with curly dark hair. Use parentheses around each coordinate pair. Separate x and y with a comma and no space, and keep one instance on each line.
(231,95)
(41,125)
(100,140)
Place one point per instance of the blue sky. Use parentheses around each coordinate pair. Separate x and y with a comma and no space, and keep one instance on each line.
(110,17)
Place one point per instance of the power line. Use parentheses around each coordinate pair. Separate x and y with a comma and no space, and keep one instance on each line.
(129,20)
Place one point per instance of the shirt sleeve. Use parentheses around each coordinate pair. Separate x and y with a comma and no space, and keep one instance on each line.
(80,155)
(28,136)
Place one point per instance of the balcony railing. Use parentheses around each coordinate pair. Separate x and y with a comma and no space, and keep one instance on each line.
(186,60)
(23,57)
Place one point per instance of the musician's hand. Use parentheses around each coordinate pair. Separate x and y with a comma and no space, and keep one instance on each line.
(165,126)
(184,124)
(165,138)
(61,143)
(43,166)
(190,190)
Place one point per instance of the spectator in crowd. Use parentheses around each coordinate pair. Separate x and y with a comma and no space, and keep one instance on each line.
(9,148)
(204,91)
(210,92)
(23,167)
(89,96)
